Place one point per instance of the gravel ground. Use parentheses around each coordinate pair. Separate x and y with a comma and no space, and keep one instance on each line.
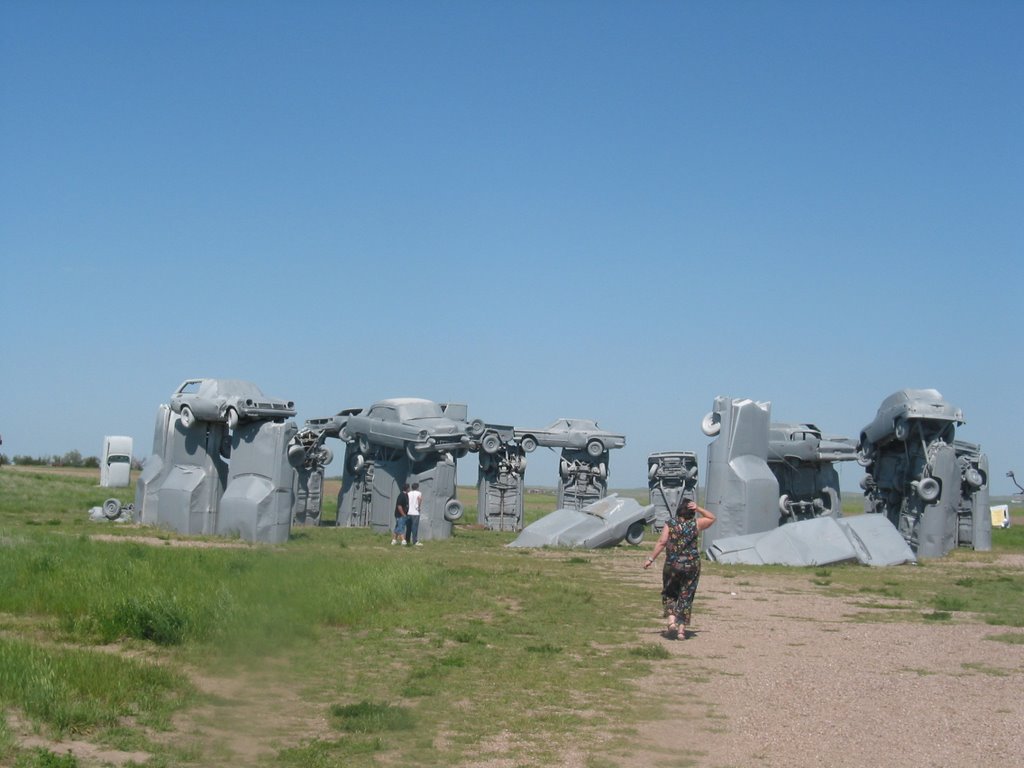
(780,674)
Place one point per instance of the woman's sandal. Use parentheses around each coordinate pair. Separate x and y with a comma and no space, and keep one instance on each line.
(673,629)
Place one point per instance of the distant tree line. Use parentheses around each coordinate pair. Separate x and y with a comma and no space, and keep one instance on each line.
(69,459)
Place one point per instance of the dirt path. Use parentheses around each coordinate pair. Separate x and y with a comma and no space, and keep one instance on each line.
(782,675)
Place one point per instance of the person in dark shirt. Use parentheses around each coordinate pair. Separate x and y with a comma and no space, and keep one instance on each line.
(401,516)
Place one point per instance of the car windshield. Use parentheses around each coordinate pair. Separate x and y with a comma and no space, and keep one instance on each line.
(426,410)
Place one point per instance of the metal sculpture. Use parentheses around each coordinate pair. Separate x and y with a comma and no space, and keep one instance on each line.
(671,477)
(583,466)
(403,440)
(603,523)
(803,462)
(741,489)
(867,539)
(189,485)
(500,479)
(309,455)
(918,478)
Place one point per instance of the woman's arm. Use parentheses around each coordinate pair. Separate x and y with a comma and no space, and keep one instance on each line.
(662,543)
(706,519)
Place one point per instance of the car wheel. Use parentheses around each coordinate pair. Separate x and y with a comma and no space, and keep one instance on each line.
(528,443)
(602,470)
(901,430)
(652,471)
(928,488)
(564,467)
(187,417)
(784,504)
(296,454)
(363,443)
(325,456)
(521,465)
(111,509)
(356,463)
(476,428)
(974,478)
(635,533)
(711,424)
(491,442)
(231,416)
(866,455)
(453,510)
(595,448)
(831,503)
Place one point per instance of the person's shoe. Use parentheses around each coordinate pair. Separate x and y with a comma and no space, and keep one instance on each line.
(393,542)
(419,543)
(404,542)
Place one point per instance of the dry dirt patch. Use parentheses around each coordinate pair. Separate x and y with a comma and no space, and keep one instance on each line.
(780,674)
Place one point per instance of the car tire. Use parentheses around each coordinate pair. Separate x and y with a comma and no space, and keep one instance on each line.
(362,443)
(652,471)
(356,463)
(187,417)
(865,456)
(928,488)
(490,443)
(831,502)
(635,533)
(974,478)
(231,417)
(564,468)
(595,448)
(521,465)
(602,470)
(784,505)
(296,455)
(453,510)
(901,430)
(325,456)
(528,443)
(111,509)
(711,424)
(476,428)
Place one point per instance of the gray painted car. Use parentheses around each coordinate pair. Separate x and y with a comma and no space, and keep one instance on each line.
(419,426)
(604,523)
(227,400)
(571,433)
(903,411)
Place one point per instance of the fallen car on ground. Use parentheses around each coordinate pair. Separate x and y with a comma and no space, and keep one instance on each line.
(604,523)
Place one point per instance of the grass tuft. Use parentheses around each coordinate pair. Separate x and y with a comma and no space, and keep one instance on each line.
(369,717)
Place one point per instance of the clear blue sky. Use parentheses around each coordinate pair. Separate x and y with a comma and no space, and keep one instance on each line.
(601,210)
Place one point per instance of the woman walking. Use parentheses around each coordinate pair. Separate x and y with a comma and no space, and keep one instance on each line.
(681,572)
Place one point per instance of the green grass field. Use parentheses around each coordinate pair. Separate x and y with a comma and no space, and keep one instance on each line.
(418,657)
